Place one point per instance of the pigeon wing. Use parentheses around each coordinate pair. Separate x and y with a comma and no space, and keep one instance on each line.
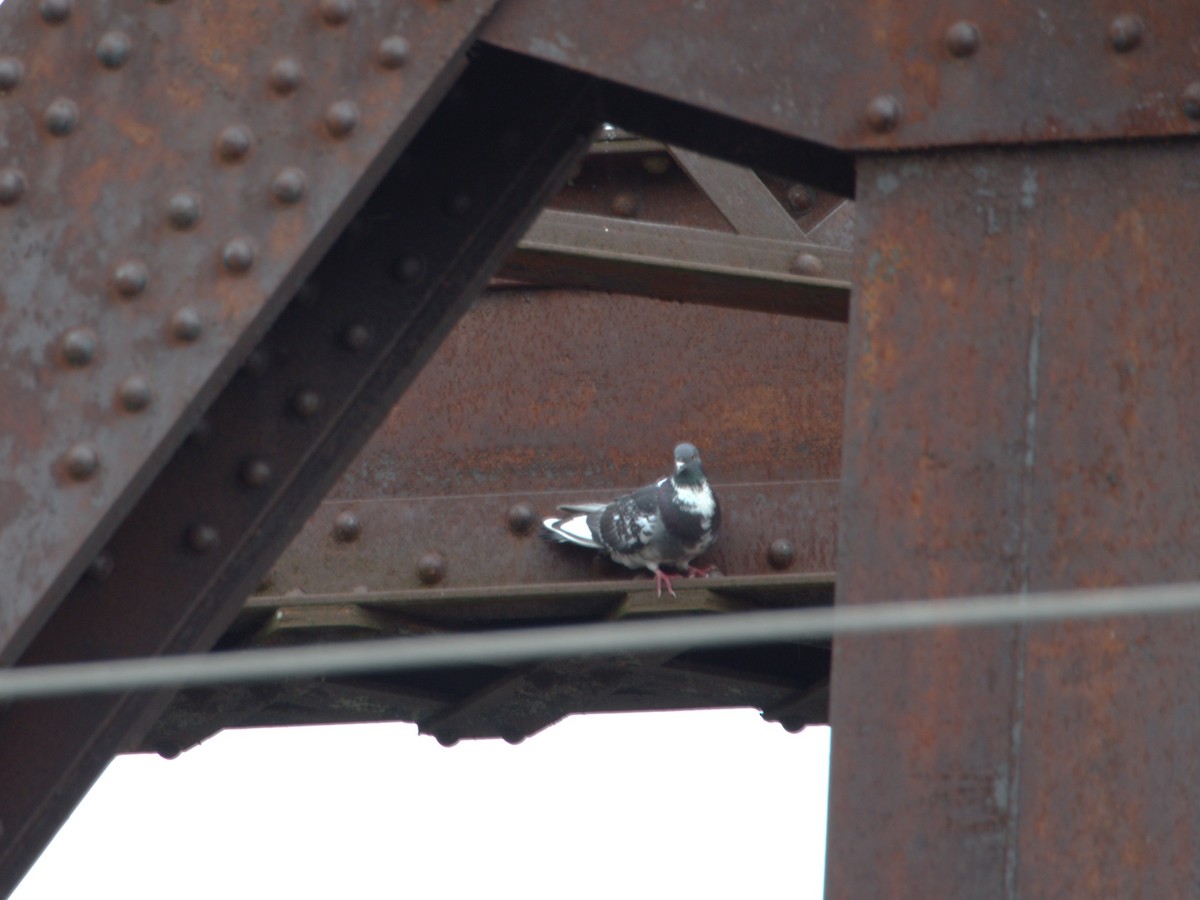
(628,523)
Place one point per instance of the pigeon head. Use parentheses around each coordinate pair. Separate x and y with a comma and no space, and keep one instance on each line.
(687,465)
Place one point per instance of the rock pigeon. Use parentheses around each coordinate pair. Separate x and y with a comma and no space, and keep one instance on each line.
(669,522)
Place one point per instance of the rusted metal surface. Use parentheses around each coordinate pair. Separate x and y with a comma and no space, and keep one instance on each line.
(180,166)
(740,195)
(861,76)
(273,441)
(687,265)
(1020,360)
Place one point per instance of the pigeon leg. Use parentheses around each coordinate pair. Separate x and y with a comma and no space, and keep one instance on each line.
(699,571)
(661,578)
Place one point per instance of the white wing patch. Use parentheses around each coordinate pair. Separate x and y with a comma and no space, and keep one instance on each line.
(574,529)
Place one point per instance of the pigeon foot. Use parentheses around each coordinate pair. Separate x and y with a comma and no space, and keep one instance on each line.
(661,578)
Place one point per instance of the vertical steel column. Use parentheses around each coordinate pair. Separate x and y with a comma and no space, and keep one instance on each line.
(1023,370)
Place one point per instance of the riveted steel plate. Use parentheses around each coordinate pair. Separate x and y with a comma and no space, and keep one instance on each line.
(167,174)
(1020,416)
(871,76)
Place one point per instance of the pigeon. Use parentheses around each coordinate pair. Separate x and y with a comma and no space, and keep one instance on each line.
(669,522)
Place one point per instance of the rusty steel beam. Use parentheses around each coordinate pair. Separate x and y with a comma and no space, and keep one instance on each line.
(864,77)
(282,429)
(740,195)
(1019,418)
(689,265)
(168,175)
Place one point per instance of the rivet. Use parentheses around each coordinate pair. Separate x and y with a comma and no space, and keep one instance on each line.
(807,264)
(201,432)
(341,118)
(55,12)
(393,52)
(257,362)
(79,346)
(336,12)
(130,278)
(62,115)
(431,568)
(12,186)
(113,49)
(347,527)
(101,566)
(202,538)
(12,71)
(458,203)
(1189,100)
(307,403)
(289,185)
(962,39)
(238,255)
(255,472)
(234,143)
(184,210)
(408,269)
(186,325)
(286,75)
(135,393)
(521,518)
(447,738)
(883,113)
(781,554)
(658,164)
(800,198)
(356,337)
(626,204)
(81,461)
(1125,32)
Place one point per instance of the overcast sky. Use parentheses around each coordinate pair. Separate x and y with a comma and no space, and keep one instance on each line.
(714,804)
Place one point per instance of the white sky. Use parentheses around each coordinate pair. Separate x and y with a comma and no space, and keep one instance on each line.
(713,804)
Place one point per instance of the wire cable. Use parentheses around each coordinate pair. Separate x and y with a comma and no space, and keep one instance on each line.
(527,644)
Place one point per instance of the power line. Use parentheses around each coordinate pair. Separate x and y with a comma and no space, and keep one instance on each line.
(519,645)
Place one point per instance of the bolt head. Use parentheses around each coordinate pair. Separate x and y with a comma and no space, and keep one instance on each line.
(393,52)
(61,117)
(113,49)
(626,204)
(184,210)
(431,568)
(336,12)
(781,554)
(341,118)
(289,185)
(962,39)
(130,278)
(800,198)
(186,325)
(79,346)
(408,269)
(286,76)
(238,255)
(12,186)
(234,143)
(522,517)
(883,114)
(1189,101)
(255,472)
(202,538)
(12,71)
(307,403)
(134,393)
(101,567)
(1125,32)
(81,461)
(347,527)
(808,265)
(55,12)
(356,337)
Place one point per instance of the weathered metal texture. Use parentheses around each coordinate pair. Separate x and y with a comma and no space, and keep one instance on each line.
(1021,367)
(866,76)
(276,437)
(540,390)
(169,172)
(472,541)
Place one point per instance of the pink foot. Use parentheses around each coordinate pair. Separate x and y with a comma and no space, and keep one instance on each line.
(699,571)
(661,578)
